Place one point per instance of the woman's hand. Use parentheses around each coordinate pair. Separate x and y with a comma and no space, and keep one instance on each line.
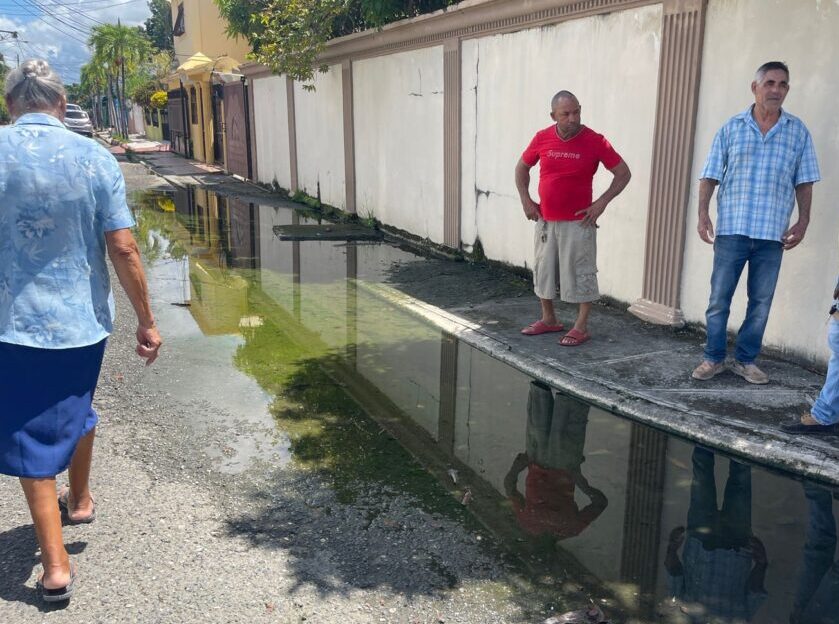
(148,343)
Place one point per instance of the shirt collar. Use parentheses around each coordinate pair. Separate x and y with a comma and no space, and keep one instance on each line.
(39,119)
(747,117)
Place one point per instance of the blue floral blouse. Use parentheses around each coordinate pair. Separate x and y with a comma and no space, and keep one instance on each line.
(59,194)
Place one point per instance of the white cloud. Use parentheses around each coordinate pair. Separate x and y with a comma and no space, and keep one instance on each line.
(61,44)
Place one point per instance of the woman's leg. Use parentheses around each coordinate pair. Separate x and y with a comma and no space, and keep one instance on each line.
(43,506)
(80,502)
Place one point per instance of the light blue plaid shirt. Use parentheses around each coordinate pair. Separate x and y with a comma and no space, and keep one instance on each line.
(59,194)
(758,174)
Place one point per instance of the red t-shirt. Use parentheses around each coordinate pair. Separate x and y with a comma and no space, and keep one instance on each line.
(567,169)
(549,506)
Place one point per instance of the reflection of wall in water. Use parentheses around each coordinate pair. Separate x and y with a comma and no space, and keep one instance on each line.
(243,234)
(400,355)
(276,257)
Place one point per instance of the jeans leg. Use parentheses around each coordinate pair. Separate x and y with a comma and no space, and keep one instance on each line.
(737,503)
(730,254)
(820,547)
(702,511)
(826,407)
(764,266)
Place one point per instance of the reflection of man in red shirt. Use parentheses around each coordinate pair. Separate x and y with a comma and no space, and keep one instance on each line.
(556,431)
(568,154)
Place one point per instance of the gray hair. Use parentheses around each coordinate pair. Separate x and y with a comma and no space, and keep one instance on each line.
(563,95)
(767,67)
(34,86)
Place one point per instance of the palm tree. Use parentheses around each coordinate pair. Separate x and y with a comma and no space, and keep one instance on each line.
(92,81)
(119,50)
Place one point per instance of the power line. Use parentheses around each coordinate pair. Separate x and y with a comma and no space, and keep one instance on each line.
(70,23)
(53,26)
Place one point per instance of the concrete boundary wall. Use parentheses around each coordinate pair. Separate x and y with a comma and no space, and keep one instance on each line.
(648,75)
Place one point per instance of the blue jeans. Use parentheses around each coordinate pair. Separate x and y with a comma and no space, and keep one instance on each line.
(817,595)
(731,526)
(826,407)
(731,253)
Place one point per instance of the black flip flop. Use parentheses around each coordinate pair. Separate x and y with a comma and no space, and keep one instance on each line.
(59,594)
(63,506)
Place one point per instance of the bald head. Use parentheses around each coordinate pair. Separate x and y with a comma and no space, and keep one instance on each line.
(563,95)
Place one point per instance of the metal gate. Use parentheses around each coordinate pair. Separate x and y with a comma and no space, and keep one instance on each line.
(237,124)
(179,123)
(218,124)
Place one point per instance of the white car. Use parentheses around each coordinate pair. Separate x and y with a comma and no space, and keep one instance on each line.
(78,121)
(73,107)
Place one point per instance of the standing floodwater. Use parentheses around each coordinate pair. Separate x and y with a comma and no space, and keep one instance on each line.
(308,336)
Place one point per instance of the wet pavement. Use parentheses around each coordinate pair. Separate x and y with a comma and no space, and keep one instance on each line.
(349,432)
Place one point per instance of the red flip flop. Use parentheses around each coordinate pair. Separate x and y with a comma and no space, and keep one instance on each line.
(574,338)
(538,327)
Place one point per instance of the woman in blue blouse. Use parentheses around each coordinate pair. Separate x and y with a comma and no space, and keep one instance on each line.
(62,208)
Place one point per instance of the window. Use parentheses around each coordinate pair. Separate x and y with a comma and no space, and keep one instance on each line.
(155,118)
(193,105)
(75,114)
(178,28)
(147,115)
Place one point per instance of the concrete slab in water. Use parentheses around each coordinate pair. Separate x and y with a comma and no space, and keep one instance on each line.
(326,231)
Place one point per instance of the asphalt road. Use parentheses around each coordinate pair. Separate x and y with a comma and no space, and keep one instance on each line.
(179,539)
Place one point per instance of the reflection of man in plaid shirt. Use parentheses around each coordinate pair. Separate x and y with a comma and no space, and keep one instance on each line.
(764,161)
(723,565)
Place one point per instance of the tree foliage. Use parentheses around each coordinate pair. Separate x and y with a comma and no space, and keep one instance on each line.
(4,112)
(118,64)
(159,26)
(159,99)
(142,93)
(289,35)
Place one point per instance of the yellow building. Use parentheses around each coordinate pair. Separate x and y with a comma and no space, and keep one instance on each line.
(205,53)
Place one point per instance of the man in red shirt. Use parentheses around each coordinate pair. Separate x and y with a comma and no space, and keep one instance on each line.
(569,154)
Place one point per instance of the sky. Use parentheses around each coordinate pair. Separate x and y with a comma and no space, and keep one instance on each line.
(57,30)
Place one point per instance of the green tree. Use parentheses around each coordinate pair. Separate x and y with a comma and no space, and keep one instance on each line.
(289,35)
(4,112)
(159,26)
(93,81)
(120,52)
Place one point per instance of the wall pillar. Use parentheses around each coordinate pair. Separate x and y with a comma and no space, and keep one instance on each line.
(349,137)
(292,134)
(451,143)
(678,93)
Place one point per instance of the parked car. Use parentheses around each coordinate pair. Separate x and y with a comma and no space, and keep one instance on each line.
(78,121)
(73,106)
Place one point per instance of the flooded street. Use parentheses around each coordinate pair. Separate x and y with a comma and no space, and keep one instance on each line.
(300,346)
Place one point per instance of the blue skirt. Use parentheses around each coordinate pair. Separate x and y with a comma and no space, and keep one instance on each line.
(45,406)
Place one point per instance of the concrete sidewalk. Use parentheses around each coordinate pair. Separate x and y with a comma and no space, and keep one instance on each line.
(632,368)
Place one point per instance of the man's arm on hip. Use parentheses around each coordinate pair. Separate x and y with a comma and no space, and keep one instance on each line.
(531,208)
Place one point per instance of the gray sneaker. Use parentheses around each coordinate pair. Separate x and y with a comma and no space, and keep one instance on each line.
(706,370)
(749,372)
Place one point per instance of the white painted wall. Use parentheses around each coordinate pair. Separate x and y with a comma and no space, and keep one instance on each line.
(398,111)
(320,137)
(508,81)
(804,35)
(270,118)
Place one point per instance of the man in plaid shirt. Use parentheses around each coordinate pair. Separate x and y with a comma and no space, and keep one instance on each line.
(764,162)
